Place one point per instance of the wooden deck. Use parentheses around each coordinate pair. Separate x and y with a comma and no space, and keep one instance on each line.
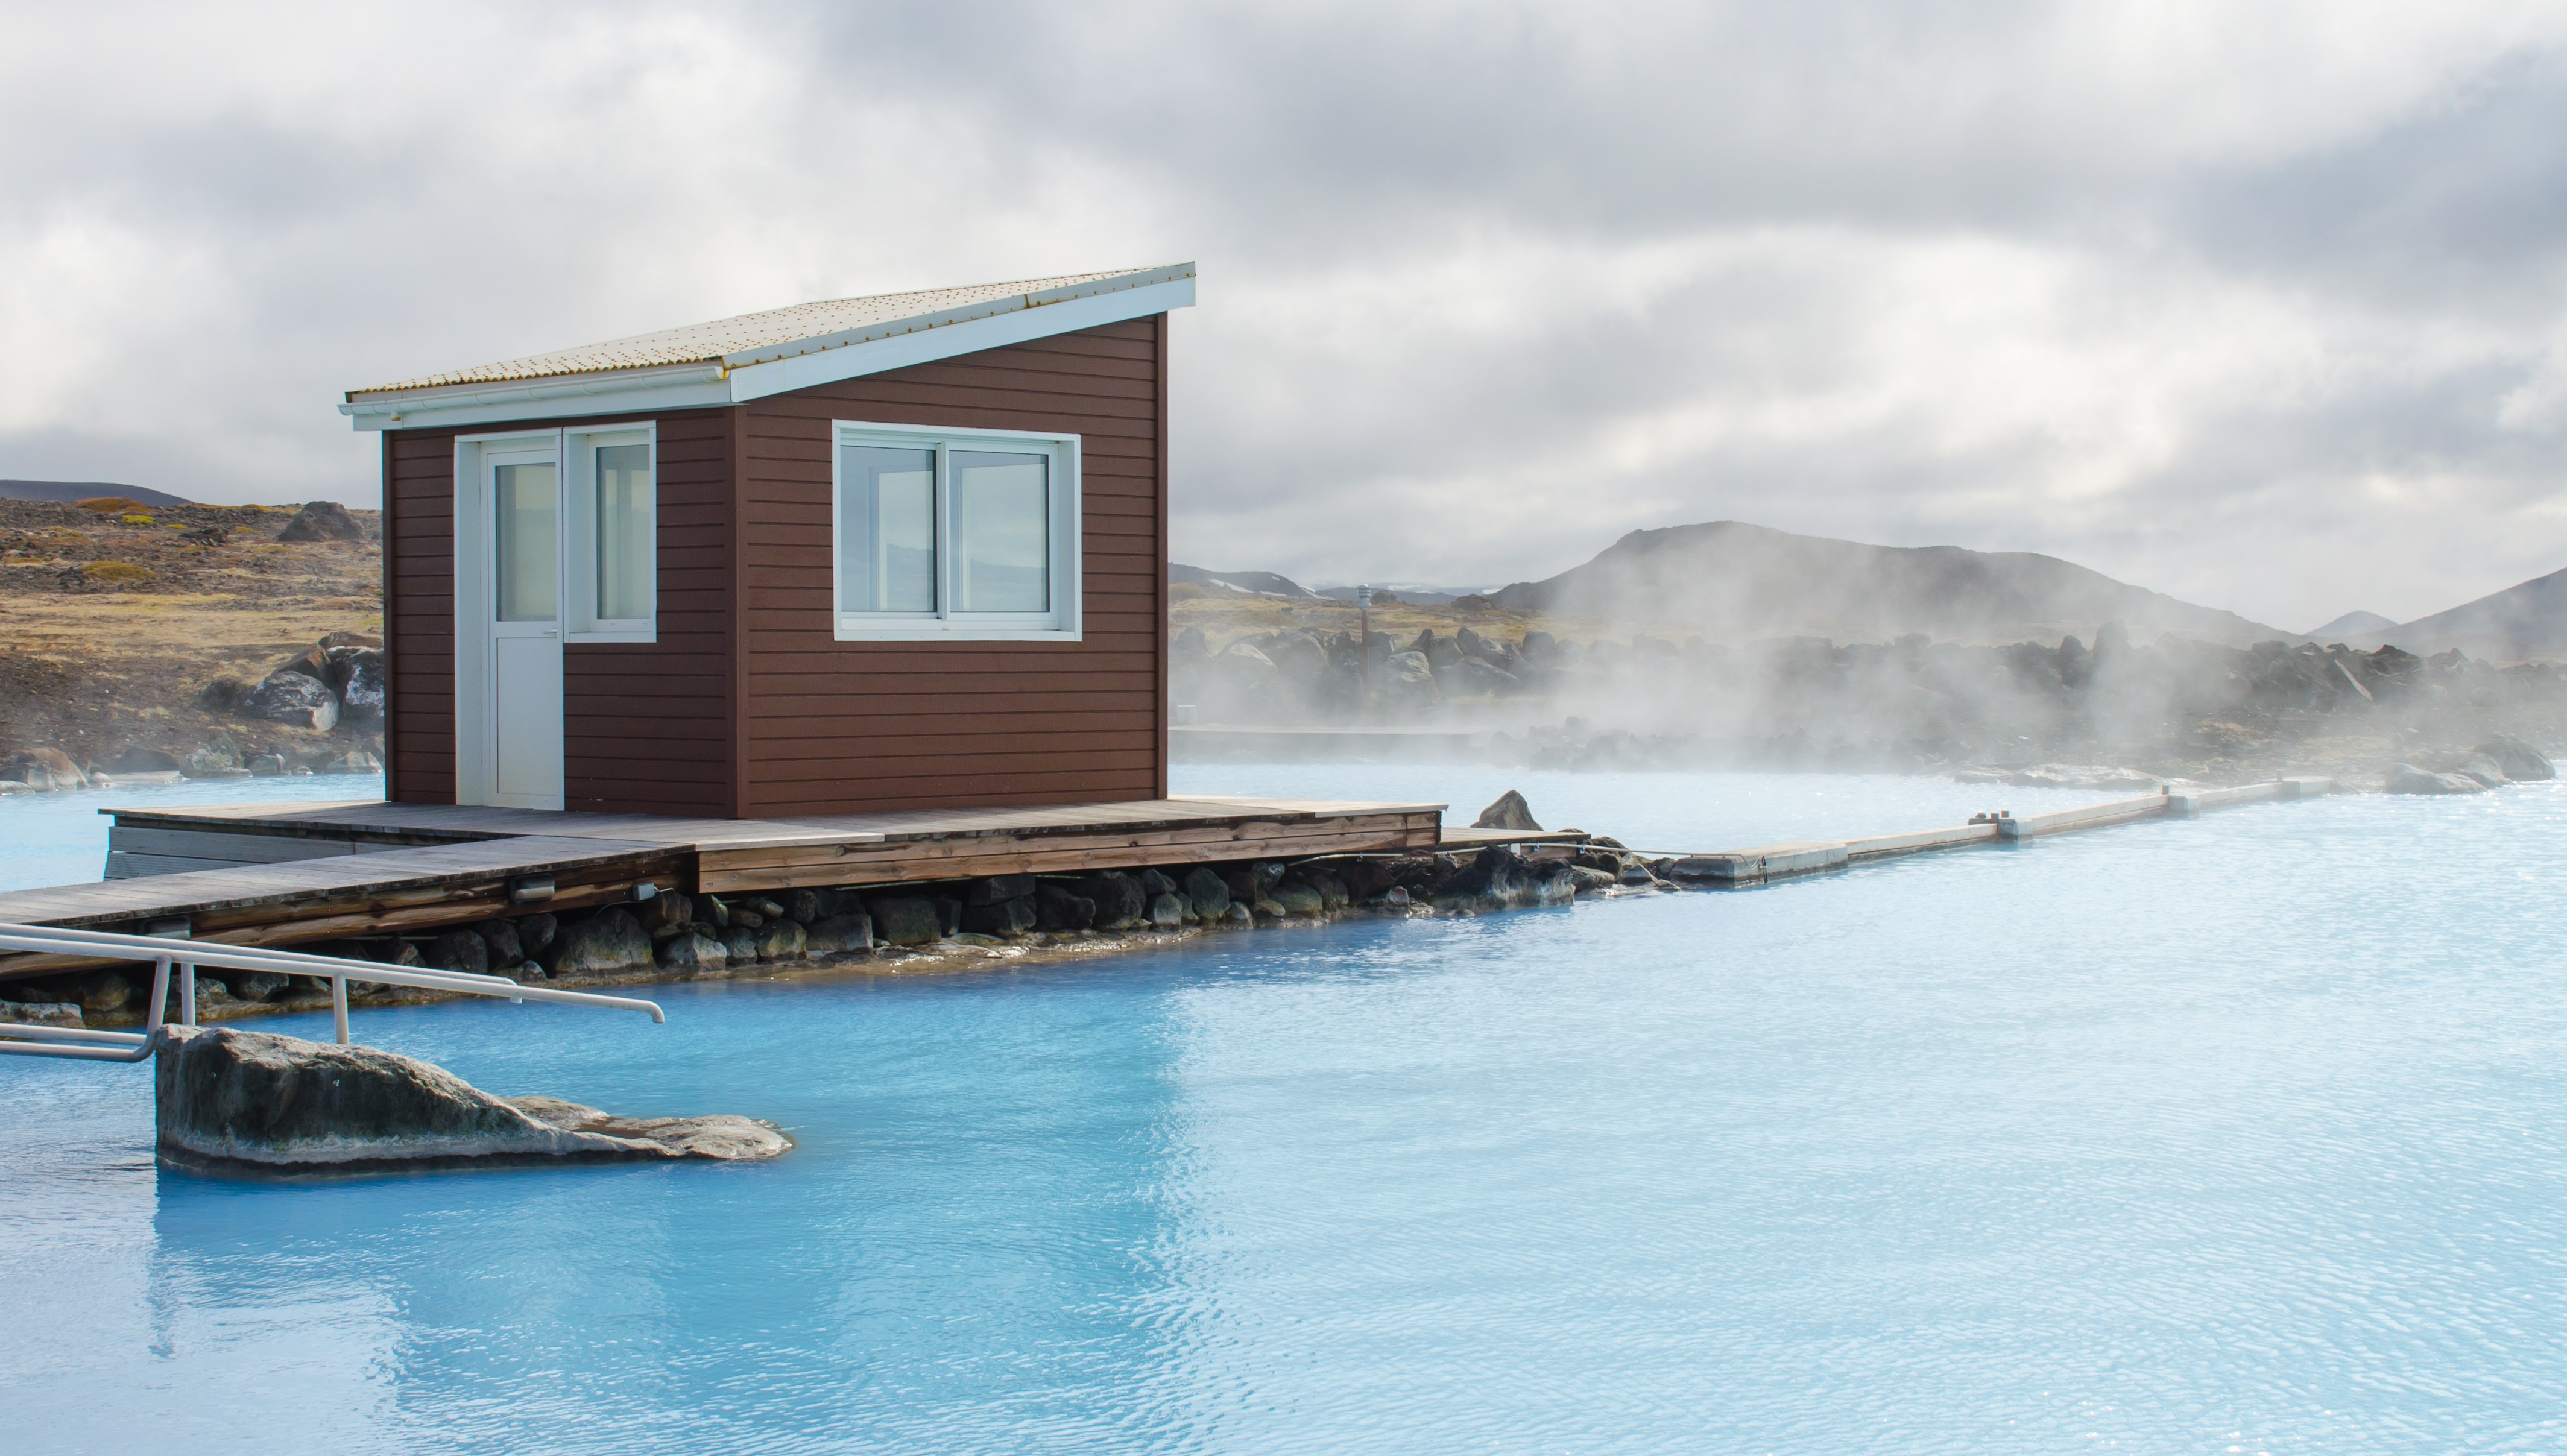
(273,874)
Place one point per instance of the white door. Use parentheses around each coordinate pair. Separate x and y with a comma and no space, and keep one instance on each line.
(524,616)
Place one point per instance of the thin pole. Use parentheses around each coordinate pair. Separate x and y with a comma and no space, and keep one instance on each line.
(339,1006)
(186,995)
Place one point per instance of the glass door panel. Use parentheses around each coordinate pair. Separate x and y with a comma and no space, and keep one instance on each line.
(527,510)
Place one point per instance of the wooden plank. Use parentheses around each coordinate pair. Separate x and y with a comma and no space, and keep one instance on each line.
(1029,859)
(121,865)
(1009,854)
(230,847)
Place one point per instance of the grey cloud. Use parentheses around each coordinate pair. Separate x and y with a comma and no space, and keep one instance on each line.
(1484,286)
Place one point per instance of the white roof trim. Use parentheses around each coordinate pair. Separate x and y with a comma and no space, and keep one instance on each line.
(778,369)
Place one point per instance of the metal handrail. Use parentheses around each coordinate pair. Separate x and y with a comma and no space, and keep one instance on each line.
(165,951)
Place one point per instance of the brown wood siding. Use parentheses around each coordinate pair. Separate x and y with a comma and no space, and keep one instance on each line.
(418,615)
(645,727)
(829,727)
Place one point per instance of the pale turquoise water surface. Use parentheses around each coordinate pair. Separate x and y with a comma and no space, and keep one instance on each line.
(2243,1133)
(61,838)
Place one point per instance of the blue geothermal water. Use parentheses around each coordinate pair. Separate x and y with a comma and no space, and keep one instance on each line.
(2243,1133)
(61,838)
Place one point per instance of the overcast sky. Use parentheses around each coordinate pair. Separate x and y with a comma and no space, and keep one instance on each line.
(2261,305)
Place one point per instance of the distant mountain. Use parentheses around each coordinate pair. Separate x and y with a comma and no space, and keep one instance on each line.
(70,490)
(2352,625)
(1254,583)
(2524,621)
(1730,581)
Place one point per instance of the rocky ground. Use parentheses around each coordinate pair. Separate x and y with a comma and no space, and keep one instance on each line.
(2170,709)
(894,929)
(137,636)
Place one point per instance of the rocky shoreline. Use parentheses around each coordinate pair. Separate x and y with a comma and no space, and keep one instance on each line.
(2173,709)
(945,927)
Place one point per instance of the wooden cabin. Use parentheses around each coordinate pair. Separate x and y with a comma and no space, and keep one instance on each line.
(899,553)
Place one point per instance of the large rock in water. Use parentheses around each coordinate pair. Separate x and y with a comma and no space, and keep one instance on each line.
(247,1099)
(294,698)
(2521,761)
(2408,778)
(1509,813)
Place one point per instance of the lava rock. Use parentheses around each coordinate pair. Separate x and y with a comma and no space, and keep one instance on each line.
(1498,879)
(1509,813)
(1006,919)
(739,945)
(1167,909)
(41,1014)
(1589,881)
(257,985)
(2482,769)
(501,936)
(44,769)
(459,950)
(1119,902)
(535,935)
(839,933)
(2521,761)
(906,920)
(322,521)
(1056,908)
(236,1100)
(609,943)
(802,906)
(693,954)
(104,992)
(293,697)
(133,759)
(998,888)
(1208,895)
(1294,898)
(664,914)
(2408,778)
(1367,880)
(1155,883)
(783,939)
(1332,891)
(361,682)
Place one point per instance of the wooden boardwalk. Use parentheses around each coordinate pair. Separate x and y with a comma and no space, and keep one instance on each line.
(272,874)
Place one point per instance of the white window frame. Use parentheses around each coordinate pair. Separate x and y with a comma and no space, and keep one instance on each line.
(1061,624)
(580,622)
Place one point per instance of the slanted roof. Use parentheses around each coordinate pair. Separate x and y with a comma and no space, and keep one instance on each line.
(729,360)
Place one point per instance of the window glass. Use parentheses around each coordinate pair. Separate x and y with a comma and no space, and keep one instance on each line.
(527,499)
(624,525)
(886,529)
(1001,532)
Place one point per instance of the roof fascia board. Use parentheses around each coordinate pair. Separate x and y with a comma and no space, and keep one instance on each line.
(968,313)
(992,331)
(678,387)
